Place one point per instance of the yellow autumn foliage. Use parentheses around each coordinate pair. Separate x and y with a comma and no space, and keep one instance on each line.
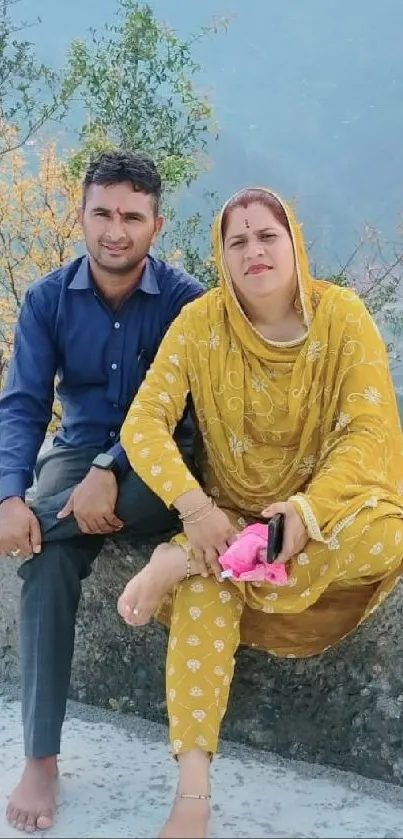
(39,229)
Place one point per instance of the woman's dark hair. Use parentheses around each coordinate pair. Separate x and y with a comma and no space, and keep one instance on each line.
(255,196)
(117,167)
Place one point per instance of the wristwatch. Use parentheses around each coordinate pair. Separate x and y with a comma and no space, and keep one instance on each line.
(108,463)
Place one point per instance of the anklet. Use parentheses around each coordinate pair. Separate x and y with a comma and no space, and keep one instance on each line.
(193,795)
(188,552)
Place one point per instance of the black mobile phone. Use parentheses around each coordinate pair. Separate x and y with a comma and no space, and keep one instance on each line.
(275,536)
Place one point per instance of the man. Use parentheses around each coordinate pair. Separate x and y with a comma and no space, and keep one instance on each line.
(95,324)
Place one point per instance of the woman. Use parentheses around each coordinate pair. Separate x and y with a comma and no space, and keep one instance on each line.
(296,410)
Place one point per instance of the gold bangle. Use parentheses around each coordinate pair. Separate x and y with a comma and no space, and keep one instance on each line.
(201,518)
(199,509)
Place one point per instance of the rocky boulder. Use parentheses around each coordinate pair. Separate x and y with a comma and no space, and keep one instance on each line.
(343,708)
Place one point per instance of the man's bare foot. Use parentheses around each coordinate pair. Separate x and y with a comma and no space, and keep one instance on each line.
(189,819)
(145,591)
(32,805)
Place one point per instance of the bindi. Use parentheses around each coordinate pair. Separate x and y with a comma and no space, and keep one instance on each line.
(247,225)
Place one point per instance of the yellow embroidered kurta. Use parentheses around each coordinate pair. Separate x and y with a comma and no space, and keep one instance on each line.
(314,420)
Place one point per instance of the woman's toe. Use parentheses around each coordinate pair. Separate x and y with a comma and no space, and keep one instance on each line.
(126,610)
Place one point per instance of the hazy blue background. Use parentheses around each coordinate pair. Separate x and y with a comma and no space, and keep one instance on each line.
(308,96)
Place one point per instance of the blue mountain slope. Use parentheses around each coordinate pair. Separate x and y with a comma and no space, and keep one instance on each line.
(308,97)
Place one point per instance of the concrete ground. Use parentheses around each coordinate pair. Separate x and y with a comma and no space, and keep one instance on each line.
(117,780)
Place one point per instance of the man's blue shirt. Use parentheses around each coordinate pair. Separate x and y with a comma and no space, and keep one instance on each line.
(98,356)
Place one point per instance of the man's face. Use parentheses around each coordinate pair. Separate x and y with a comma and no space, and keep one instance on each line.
(119,226)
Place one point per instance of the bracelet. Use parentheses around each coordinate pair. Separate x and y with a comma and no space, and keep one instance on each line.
(204,516)
(199,509)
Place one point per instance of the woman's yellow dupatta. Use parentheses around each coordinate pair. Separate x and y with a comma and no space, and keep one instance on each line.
(315,418)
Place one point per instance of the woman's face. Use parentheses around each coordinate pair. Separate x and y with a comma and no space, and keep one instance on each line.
(259,254)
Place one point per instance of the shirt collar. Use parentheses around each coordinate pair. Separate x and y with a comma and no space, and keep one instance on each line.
(148,282)
(83,280)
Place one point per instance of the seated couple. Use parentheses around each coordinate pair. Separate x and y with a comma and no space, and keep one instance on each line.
(296,414)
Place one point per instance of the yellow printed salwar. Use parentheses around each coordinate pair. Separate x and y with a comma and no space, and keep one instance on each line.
(314,421)
(204,636)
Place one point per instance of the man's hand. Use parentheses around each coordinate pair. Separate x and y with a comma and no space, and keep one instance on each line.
(20,534)
(295,533)
(93,502)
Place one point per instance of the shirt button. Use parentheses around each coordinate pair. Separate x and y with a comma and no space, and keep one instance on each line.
(114,366)
(115,405)
(117,325)
(112,434)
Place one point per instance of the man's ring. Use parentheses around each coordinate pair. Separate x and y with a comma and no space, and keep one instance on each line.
(15,553)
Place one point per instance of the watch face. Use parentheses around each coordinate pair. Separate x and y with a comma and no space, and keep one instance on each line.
(104,460)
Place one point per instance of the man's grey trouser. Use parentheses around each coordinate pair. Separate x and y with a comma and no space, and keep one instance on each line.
(52,587)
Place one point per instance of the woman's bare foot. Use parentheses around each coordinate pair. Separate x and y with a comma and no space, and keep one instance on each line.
(32,805)
(145,591)
(189,819)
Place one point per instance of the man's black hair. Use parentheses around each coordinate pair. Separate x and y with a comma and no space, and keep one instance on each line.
(116,167)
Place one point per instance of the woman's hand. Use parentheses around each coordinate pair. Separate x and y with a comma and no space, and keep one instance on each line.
(209,538)
(208,529)
(295,532)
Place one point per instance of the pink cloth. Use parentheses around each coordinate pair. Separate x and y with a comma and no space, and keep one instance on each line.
(246,560)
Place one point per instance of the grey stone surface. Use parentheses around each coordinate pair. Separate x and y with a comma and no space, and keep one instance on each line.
(118,780)
(343,708)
